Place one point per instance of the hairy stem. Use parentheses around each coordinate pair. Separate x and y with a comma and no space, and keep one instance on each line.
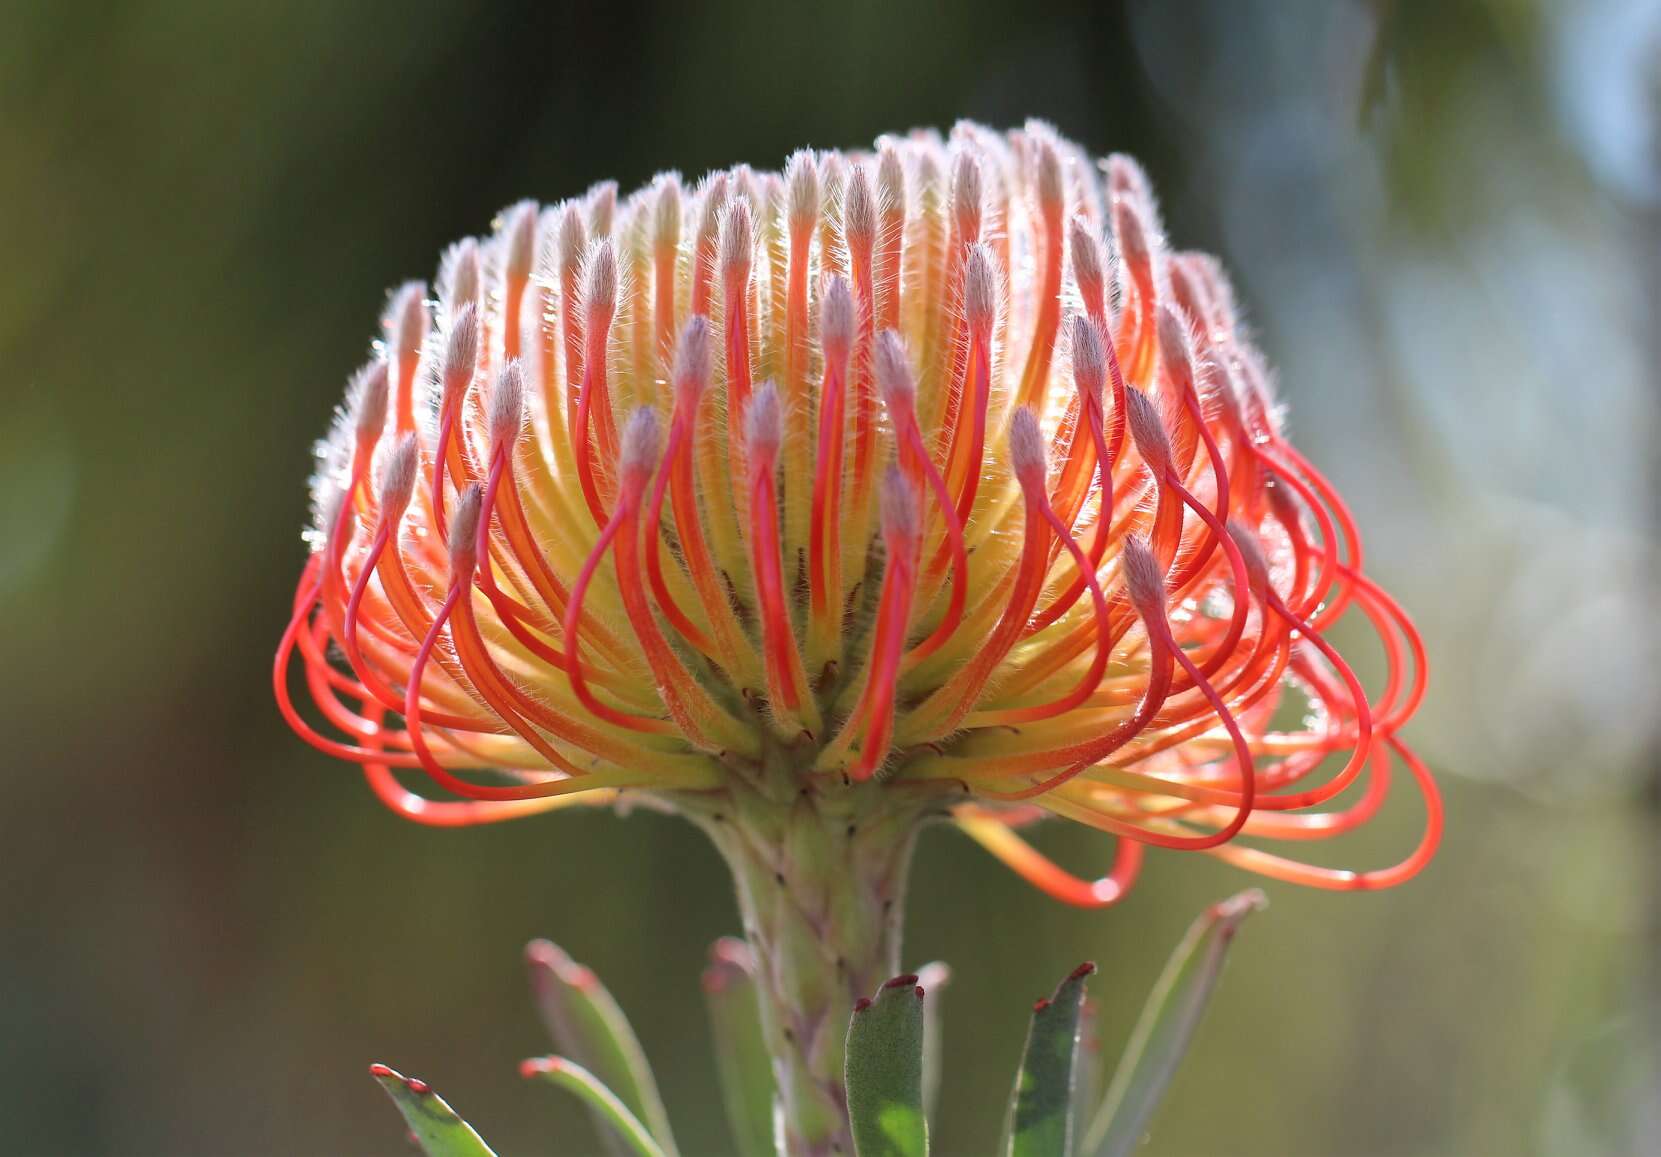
(820,872)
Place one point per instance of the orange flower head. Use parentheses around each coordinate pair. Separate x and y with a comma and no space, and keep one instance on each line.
(933,468)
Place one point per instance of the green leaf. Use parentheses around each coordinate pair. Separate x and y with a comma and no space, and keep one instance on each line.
(1040,1120)
(1166,1027)
(435,1127)
(931,978)
(741,1057)
(605,1104)
(1090,1077)
(590,1028)
(884,1072)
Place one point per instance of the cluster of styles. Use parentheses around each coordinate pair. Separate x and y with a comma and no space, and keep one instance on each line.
(929,473)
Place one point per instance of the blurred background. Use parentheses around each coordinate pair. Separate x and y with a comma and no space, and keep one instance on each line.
(1444,221)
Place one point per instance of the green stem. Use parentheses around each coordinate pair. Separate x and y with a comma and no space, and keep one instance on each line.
(820,872)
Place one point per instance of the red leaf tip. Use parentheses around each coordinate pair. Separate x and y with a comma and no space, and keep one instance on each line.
(862,1004)
(1083,970)
(906,981)
(379,1070)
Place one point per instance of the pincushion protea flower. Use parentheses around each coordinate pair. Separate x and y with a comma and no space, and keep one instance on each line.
(814,505)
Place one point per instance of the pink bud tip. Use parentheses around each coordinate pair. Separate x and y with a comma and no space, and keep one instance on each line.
(737,239)
(692,355)
(519,239)
(462,282)
(859,211)
(461,345)
(534,1067)
(368,394)
(902,515)
(572,238)
(642,443)
(506,412)
(1148,431)
(890,179)
(801,175)
(408,314)
(1089,356)
(893,372)
(666,220)
(601,284)
(1143,578)
(980,289)
(966,195)
(1087,258)
(836,324)
(397,475)
(1176,343)
(764,422)
(464,527)
(1026,447)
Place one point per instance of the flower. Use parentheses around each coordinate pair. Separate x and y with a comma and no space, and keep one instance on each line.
(933,468)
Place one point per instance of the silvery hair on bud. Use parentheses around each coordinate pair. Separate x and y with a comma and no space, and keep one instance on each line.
(1026,444)
(505,410)
(836,319)
(763,421)
(980,287)
(1143,577)
(461,344)
(893,371)
(641,442)
(458,272)
(859,209)
(1147,430)
(692,354)
(464,525)
(519,238)
(966,193)
(666,219)
(802,175)
(407,318)
(1089,355)
(737,237)
(395,480)
(600,280)
(901,512)
(366,399)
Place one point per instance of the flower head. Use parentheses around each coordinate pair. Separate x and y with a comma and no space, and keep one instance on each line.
(933,467)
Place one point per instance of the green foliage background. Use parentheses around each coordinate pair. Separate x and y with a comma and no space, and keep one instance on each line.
(207,930)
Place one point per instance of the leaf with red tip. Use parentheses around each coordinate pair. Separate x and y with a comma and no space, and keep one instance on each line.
(590,1028)
(1040,1120)
(605,1104)
(741,1056)
(1162,1034)
(436,1128)
(884,1072)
